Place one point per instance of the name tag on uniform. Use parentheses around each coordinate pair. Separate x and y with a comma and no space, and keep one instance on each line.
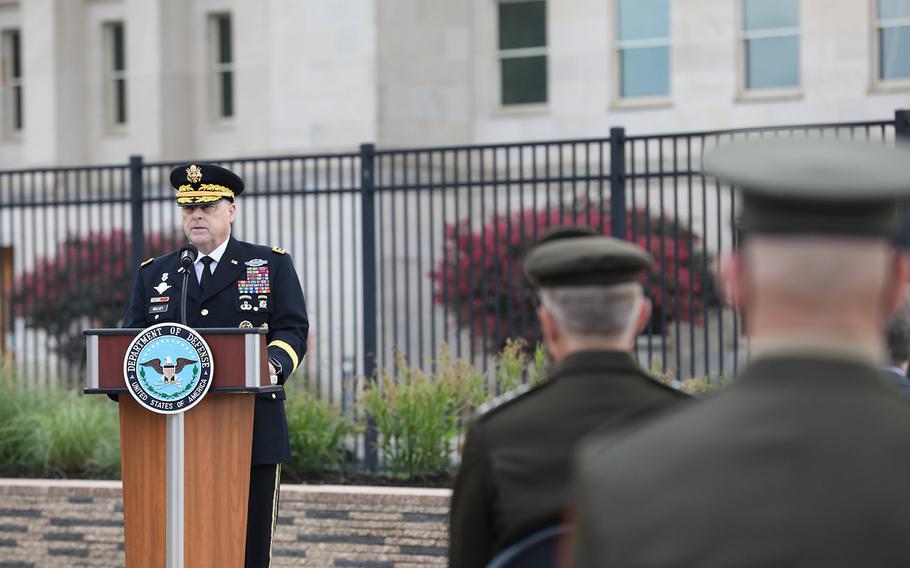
(157,308)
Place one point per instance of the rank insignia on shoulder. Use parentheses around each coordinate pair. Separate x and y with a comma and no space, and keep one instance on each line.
(256,262)
(502,399)
(146,261)
(279,250)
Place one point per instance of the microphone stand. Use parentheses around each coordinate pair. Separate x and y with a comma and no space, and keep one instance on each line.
(186,283)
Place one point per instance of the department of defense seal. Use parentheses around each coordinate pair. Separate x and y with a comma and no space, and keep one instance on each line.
(168,368)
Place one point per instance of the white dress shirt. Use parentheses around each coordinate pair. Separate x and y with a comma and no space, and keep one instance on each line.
(216,257)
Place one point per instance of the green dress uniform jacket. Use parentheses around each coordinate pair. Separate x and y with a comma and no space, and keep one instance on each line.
(514,477)
(804,461)
(252,285)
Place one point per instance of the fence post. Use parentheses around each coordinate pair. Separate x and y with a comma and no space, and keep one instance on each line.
(138,240)
(368,245)
(902,124)
(618,182)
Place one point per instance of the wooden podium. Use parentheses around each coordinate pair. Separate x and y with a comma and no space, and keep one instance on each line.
(186,476)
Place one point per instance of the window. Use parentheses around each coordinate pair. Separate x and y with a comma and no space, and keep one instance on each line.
(223,65)
(893,36)
(771,44)
(11,50)
(523,52)
(644,48)
(115,67)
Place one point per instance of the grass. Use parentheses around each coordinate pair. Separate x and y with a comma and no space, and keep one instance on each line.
(318,432)
(53,432)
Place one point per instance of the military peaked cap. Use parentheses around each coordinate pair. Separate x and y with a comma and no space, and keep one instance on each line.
(585,260)
(204,184)
(820,186)
(563,232)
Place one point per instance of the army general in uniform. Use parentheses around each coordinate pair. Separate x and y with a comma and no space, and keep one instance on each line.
(232,284)
(514,474)
(805,459)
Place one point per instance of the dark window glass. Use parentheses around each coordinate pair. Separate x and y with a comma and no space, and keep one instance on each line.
(524,80)
(522,24)
(224,39)
(117,47)
(227,94)
(17,112)
(15,55)
(120,101)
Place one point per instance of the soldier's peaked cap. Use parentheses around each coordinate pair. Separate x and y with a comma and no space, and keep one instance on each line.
(818,186)
(584,260)
(203,184)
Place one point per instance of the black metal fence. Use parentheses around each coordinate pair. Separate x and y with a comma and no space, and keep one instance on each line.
(397,250)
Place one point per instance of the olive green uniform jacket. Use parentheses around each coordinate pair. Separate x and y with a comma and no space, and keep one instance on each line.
(804,461)
(514,477)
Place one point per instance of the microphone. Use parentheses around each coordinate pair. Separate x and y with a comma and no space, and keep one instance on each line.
(187,255)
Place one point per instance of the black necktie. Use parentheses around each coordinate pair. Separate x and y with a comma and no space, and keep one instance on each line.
(206,271)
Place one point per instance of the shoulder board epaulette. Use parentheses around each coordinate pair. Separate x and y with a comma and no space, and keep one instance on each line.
(146,261)
(500,400)
(279,250)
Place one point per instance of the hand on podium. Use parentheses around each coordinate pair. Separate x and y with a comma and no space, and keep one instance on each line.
(273,374)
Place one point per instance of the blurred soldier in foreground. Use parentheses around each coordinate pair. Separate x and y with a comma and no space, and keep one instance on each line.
(804,460)
(514,475)
(897,335)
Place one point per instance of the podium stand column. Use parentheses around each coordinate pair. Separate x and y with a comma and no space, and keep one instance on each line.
(175,490)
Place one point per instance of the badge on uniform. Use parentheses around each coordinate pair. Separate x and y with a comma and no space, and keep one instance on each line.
(256,262)
(157,308)
(161,288)
(245,303)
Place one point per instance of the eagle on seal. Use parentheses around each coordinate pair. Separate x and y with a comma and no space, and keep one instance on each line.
(168,369)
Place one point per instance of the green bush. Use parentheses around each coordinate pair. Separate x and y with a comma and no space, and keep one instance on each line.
(55,432)
(318,432)
(514,367)
(418,417)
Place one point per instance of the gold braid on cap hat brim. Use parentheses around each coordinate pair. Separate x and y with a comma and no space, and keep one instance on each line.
(205,193)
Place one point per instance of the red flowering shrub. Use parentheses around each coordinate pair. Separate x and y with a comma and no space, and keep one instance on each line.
(87,283)
(480,280)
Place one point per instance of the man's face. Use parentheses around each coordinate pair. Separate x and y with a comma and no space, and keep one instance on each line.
(207,226)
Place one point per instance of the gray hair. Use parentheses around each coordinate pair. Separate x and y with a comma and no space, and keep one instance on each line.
(606,312)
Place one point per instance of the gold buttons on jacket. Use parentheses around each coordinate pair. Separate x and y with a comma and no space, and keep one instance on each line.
(204,311)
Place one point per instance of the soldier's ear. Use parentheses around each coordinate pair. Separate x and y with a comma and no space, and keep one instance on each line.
(549,329)
(731,281)
(643,315)
(899,286)
(232,209)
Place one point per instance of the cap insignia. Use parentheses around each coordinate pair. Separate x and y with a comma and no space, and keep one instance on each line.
(194,174)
